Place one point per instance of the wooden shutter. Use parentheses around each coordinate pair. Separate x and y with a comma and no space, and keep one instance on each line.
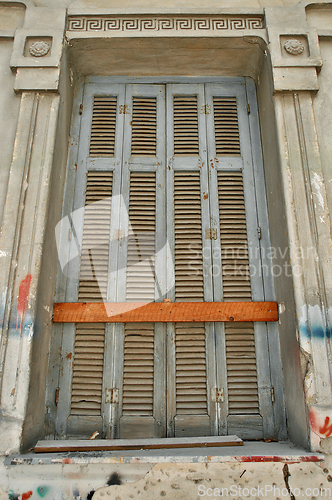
(188,206)
(86,390)
(190,349)
(138,358)
(239,337)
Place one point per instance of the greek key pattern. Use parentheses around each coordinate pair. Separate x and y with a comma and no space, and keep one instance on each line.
(212,23)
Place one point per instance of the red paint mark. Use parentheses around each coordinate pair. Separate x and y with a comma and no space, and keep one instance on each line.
(326,429)
(67,461)
(27,495)
(23,296)
(274,458)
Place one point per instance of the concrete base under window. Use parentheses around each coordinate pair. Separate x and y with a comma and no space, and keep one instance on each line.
(175,474)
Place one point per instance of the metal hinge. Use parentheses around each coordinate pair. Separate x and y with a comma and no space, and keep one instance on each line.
(217,395)
(112,396)
(259,233)
(248,109)
(81,109)
(206,109)
(272,395)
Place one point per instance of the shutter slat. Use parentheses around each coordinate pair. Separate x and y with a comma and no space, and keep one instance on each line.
(102,140)
(141,238)
(138,369)
(226,127)
(185,125)
(144,126)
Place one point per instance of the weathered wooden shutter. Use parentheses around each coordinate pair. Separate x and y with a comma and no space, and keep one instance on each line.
(190,349)
(233,204)
(82,389)
(141,388)
(190,412)
(138,357)
(86,390)
(239,337)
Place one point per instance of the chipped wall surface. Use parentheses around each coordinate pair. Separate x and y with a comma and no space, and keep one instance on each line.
(285,47)
(175,481)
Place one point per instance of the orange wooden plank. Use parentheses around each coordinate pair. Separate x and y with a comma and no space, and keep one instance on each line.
(163,312)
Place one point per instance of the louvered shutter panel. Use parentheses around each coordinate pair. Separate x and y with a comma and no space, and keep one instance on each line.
(102,139)
(226,126)
(144,126)
(138,359)
(188,208)
(240,337)
(230,174)
(185,125)
(86,396)
(190,351)
(144,155)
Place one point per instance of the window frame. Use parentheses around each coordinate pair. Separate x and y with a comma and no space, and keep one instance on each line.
(81,121)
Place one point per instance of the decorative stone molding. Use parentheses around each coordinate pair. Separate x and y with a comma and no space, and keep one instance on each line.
(164,23)
(294,47)
(39,49)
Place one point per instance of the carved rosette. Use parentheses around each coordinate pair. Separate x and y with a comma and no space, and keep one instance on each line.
(39,49)
(294,47)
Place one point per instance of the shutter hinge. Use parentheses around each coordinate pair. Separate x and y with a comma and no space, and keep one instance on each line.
(272,395)
(248,109)
(217,395)
(206,109)
(112,396)
(81,109)
(259,233)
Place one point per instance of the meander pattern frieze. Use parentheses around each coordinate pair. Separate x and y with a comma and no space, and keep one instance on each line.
(164,23)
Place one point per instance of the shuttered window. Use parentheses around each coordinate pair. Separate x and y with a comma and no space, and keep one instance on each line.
(167,219)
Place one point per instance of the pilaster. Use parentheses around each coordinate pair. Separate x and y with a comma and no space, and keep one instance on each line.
(36,59)
(295,58)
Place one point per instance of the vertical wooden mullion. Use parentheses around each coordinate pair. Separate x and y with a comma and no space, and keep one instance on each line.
(220,346)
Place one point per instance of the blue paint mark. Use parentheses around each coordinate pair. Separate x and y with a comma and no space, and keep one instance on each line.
(316,332)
